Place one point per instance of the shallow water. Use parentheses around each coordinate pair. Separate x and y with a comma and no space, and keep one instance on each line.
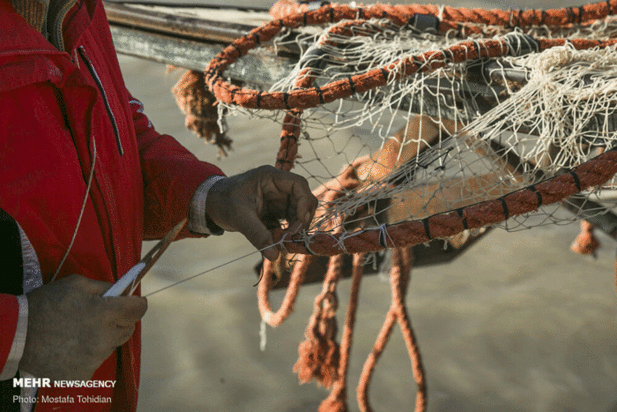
(519,323)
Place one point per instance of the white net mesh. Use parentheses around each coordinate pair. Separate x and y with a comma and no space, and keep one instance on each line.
(444,139)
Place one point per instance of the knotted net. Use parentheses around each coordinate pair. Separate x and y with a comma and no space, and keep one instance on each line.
(420,122)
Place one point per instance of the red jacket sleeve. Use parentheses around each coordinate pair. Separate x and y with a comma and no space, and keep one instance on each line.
(9,313)
(171,175)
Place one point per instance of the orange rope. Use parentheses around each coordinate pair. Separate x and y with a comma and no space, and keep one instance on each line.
(283,8)
(401,15)
(495,17)
(198,105)
(293,289)
(585,243)
(347,180)
(320,357)
(466,21)
(402,259)
(319,354)
(304,98)
(290,132)
(592,173)
(337,400)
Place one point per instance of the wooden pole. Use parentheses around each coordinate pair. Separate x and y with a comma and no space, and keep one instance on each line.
(176,25)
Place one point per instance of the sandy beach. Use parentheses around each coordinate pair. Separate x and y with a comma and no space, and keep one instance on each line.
(519,323)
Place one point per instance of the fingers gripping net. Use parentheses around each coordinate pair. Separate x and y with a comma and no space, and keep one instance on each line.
(421,122)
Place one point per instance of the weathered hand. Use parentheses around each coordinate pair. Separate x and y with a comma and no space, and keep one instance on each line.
(254,202)
(72,329)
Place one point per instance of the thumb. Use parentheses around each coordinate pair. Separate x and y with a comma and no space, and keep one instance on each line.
(251,226)
(128,309)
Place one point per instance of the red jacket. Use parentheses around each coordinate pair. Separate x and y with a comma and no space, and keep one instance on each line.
(56,107)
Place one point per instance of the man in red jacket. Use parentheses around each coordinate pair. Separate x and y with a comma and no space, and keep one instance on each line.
(85,179)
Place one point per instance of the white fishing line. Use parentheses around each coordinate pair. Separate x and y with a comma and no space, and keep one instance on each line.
(211,270)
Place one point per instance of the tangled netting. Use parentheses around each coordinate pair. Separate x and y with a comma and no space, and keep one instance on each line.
(421,122)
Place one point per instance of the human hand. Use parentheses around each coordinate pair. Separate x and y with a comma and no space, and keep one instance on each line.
(254,202)
(72,329)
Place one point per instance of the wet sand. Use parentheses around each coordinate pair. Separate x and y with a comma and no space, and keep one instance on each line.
(519,323)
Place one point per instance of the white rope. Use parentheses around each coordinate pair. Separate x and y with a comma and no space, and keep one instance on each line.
(81,212)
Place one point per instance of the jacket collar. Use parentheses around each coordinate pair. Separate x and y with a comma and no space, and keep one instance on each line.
(26,57)
(18,37)
(46,16)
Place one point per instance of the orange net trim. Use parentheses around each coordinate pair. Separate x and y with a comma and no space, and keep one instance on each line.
(400,15)
(507,18)
(592,173)
(312,97)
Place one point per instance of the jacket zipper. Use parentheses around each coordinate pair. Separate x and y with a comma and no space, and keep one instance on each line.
(99,84)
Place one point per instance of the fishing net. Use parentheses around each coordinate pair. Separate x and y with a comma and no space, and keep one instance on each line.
(414,123)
